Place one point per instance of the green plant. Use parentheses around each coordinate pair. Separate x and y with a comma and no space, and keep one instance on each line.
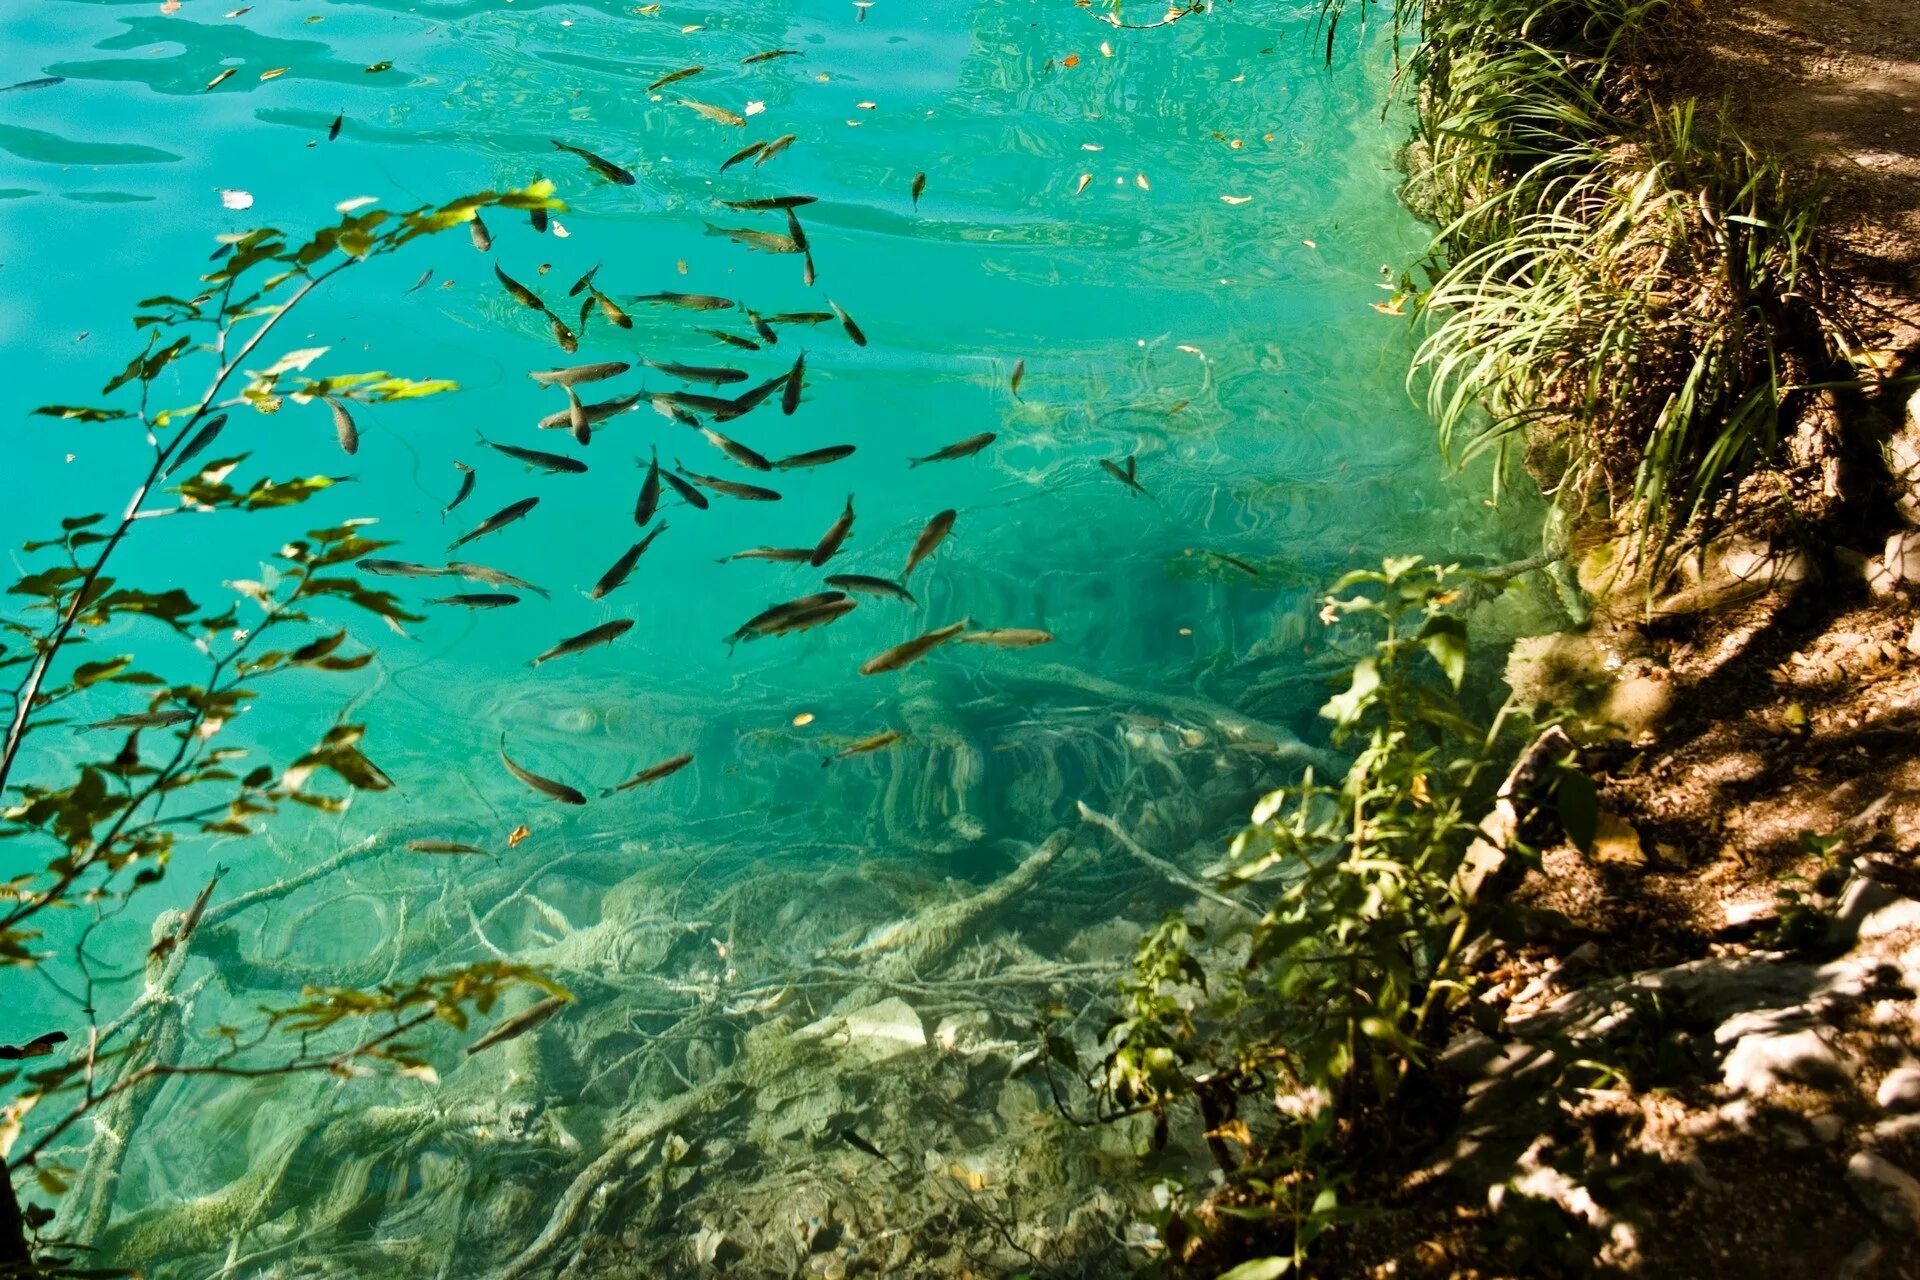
(105,821)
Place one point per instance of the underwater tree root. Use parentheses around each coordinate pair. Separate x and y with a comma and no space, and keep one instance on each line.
(1164,869)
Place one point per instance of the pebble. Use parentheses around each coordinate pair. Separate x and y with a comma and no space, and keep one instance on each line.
(1762,1062)
(1900,1091)
(1890,1193)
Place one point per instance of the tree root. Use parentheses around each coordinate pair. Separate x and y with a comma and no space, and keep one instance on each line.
(1164,869)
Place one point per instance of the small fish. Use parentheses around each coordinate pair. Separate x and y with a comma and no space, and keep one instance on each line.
(422,281)
(798,234)
(479,599)
(684,73)
(538,217)
(47,82)
(446,846)
(768,56)
(577,423)
(481,574)
(747,401)
(1009,637)
(605,633)
(201,439)
(801,317)
(846,322)
(398,569)
(771,202)
(775,147)
(482,238)
(44,1043)
(673,412)
(738,452)
(693,402)
(649,500)
(599,164)
(343,427)
(919,188)
(574,375)
(652,774)
(930,537)
(814,457)
(806,258)
(747,152)
(333,130)
(610,309)
(569,343)
(719,376)
(765,241)
(911,651)
(847,1135)
(719,115)
(728,488)
(807,619)
(961,449)
(1236,562)
(610,580)
(759,622)
(497,521)
(688,301)
(584,282)
(778,555)
(732,339)
(550,462)
(872,586)
(1019,372)
(862,747)
(790,393)
(143,720)
(1125,475)
(762,328)
(688,494)
(836,534)
(519,1024)
(597,412)
(520,293)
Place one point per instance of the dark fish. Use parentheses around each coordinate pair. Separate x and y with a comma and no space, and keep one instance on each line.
(798,234)
(962,449)
(814,457)
(801,317)
(652,773)
(610,309)
(847,1135)
(790,394)
(732,339)
(446,846)
(551,462)
(610,580)
(527,1019)
(690,301)
(466,487)
(919,187)
(574,375)
(728,488)
(143,720)
(1009,637)
(694,401)
(762,328)
(698,373)
(343,427)
(1236,562)
(201,439)
(759,622)
(846,322)
(482,238)
(775,147)
(398,569)
(649,500)
(584,282)
(422,281)
(333,130)
(806,260)
(1125,475)
(44,1043)
(597,412)
(674,412)
(871,586)
(808,619)
(768,56)
(930,537)
(479,599)
(599,164)
(688,494)
(1019,372)
(747,152)
(569,343)
(719,115)
(765,241)
(910,652)
(860,748)
(747,401)
(671,76)
(538,217)
(520,293)
(605,633)
(778,555)
(836,534)
(489,577)
(498,520)
(577,424)
(771,202)
(738,452)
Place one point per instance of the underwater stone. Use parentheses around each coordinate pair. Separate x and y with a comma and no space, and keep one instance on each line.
(874,1033)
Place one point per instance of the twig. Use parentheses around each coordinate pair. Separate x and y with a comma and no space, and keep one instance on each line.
(1162,868)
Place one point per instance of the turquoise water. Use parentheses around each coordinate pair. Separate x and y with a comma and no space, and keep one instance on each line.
(1181,234)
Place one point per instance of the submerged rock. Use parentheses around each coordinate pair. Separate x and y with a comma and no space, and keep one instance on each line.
(874,1033)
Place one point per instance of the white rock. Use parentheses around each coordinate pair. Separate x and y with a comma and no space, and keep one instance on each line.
(1892,1194)
(1902,557)
(970,1034)
(875,1033)
(1900,1091)
(1762,1062)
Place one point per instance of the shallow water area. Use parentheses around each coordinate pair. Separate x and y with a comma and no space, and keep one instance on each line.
(1176,236)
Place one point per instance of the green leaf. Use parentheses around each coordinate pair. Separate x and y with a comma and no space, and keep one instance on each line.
(1445,638)
(79,414)
(1345,708)
(1577,802)
(91,672)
